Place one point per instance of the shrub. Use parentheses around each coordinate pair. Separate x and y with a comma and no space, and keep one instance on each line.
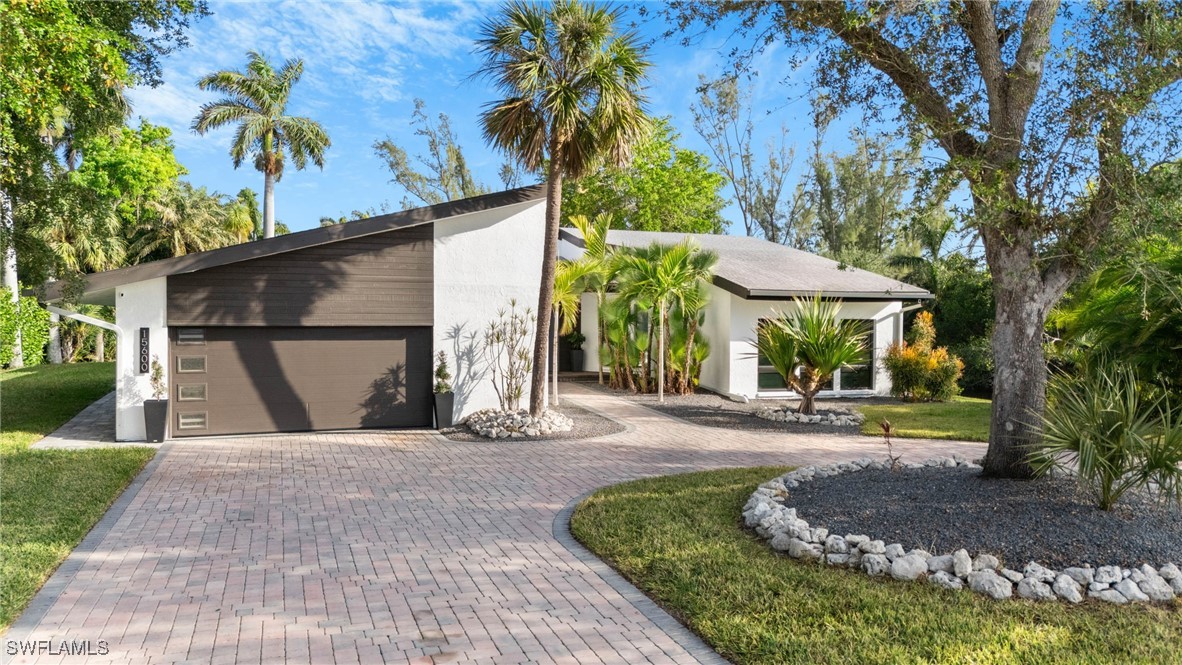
(442,374)
(919,370)
(33,322)
(1117,434)
(977,356)
(507,341)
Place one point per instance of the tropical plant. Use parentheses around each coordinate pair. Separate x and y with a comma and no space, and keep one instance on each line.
(667,276)
(257,101)
(27,316)
(156,379)
(594,232)
(920,370)
(570,282)
(808,345)
(576,340)
(506,345)
(442,374)
(1114,432)
(183,220)
(572,99)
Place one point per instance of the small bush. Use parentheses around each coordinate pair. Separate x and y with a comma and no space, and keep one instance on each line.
(33,322)
(1117,434)
(920,371)
(977,356)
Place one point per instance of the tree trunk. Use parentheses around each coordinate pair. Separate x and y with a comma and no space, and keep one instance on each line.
(100,346)
(661,353)
(1020,372)
(808,403)
(268,205)
(554,353)
(11,281)
(687,382)
(537,388)
(55,339)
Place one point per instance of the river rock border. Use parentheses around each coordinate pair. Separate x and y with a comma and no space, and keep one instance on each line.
(498,424)
(788,532)
(788,414)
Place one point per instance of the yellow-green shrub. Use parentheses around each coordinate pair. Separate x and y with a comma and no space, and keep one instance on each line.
(918,370)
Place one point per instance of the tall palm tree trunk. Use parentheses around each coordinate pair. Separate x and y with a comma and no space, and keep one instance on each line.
(661,354)
(268,205)
(686,378)
(100,346)
(537,388)
(11,282)
(554,353)
(55,339)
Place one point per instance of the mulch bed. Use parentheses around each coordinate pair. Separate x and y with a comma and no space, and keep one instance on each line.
(588,425)
(713,410)
(1049,520)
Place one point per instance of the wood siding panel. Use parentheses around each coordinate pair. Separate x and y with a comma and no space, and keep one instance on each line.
(299,379)
(379,280)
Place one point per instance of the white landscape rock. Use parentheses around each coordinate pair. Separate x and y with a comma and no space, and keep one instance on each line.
(991,584)
(497,424)
(766,513)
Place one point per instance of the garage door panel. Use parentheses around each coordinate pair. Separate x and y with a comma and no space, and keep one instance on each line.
(296,379)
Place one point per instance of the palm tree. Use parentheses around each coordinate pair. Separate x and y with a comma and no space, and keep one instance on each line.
(665,275)
(183,220)
(812,339)
(256,100)
(594,232)
(923,267)
(572,99)
(571,280)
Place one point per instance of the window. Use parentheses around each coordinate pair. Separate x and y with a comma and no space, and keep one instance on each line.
(190,336)
(861,376)
(769,378)
(193,392)
(191,420)
(190,364)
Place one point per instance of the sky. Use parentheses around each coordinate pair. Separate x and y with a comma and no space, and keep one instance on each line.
(366,62)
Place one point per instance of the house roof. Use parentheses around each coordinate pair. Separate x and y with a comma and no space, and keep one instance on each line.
(99,287)
(756,269)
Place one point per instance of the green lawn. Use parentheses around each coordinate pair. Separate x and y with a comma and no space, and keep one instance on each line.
(50,499)
(962,418)
(679,539)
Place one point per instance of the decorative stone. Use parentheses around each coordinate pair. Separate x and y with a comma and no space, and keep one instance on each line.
(1109,595)
(962,565)
(893,551)
(875,565)
(873,547)
(946,580)
(1169,572)
(908,567)
(1108,574)
(497,424)
(798,549)
(1011,575)
(837,545)
(1129,589)
(991,584)
(1038,572)
(837,559)
(1067,588)
(855,541)
(1156,588)
(986,562)
(1082,576)
(1033,589)
(940,564)
(780,542)
(1098,586)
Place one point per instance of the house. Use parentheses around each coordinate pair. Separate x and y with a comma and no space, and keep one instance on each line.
(755,279)
(331,328)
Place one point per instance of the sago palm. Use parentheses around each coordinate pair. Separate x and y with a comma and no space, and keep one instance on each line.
(572,98)
(256,100)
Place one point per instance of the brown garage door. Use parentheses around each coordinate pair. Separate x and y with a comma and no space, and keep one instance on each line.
(230,380)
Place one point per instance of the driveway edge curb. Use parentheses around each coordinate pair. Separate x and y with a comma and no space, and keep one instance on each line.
(684,637)
(48,594)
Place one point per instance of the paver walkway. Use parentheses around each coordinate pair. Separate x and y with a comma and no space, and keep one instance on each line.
(362,547)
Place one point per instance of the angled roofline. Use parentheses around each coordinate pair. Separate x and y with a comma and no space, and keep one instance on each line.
(291,242)
(764,294)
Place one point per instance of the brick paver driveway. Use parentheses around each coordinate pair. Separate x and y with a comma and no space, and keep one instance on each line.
(360,547)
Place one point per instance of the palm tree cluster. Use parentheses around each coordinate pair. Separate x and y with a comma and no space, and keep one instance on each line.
(651,308)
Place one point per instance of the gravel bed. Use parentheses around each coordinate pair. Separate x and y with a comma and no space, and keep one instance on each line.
(1050,520)
(588,425)
(713,410)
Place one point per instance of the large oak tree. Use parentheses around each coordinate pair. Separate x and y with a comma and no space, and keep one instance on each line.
(1046,111)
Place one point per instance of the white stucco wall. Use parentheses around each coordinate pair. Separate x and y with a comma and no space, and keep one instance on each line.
(138,305)
(716,327)
(589,326)
(482,261)
(744,362)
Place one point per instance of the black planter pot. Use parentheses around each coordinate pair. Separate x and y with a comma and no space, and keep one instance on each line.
(155,419)
(576,360)
(444,406)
